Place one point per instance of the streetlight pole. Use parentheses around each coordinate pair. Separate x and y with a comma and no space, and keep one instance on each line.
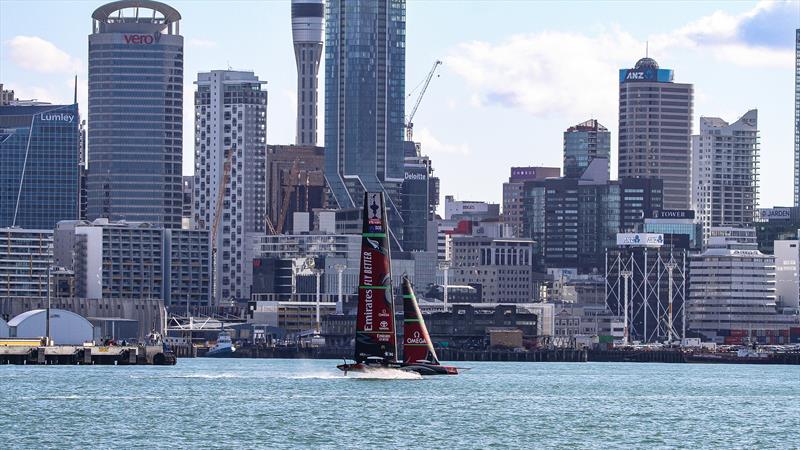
(47,317)
(318,274)
(340,303)
(445,267)
(625,275)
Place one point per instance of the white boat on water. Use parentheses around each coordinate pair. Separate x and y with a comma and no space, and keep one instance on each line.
(223,348)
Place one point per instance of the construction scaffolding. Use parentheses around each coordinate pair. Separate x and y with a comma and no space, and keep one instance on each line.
(652,283)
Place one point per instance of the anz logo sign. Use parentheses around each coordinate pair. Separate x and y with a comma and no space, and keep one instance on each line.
(640,75)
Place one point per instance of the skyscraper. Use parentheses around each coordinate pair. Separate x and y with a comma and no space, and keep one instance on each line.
(364,102)
(725,171)
(39,165)
(513,211)
(135,113)
(583,143)
(797,119)
(655,127)
(230,127)
(307,17)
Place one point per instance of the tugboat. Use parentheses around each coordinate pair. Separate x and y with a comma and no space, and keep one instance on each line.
(223,348)
(376,338)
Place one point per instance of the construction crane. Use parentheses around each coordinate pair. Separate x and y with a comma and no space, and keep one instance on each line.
(226,172)
(409,122)
(287,196)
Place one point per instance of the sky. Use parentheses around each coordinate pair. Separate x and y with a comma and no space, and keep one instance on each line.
(515,74)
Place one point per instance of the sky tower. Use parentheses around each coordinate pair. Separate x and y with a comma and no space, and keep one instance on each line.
(307,18)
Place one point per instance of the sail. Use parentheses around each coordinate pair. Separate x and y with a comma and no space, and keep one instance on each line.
(375,328)
(417,345)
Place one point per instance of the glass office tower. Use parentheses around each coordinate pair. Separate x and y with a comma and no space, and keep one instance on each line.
(136,113)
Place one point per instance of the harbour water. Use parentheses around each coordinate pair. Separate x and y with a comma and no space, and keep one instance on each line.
(238,403)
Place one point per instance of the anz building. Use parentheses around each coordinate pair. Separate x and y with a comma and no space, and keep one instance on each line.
(39,165)
(135,113)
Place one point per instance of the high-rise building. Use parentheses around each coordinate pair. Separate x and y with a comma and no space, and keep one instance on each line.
(725,171)
(230,130)
(39,165)
(136,113)
(583,143)
(419,198)
(512,194)
(787,274)
(655,127)
(364,102)
(797,119)
(307,18)
(575,219)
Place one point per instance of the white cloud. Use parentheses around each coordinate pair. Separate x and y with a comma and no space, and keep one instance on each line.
(36,54)
(202,43)
(547,72)
(432,146)
(552,72)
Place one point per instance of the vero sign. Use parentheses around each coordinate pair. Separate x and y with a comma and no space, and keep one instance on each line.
(141,39)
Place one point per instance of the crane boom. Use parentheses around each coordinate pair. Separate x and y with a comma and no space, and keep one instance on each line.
(293,173)
(226,172)
(410,121)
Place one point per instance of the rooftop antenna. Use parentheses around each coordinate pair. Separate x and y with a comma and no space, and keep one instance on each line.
(647,49)
(75,98)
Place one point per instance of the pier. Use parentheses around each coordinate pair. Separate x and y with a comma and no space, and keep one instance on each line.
(85,355)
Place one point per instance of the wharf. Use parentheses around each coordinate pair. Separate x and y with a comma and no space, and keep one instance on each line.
(85,355)
(680,356)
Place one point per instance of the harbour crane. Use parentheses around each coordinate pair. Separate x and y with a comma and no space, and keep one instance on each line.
(409,122)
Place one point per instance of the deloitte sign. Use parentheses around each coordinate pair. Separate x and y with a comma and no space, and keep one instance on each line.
(640,239)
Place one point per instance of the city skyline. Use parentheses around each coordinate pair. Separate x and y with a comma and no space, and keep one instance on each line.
(475,107)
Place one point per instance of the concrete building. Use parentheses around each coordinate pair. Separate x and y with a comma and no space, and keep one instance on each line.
(25,256)
(136,113)
(797,120)
(295,183)
(513,208)
(502,269)
(732,290)
(787,274)
(725,171)
(583,143)
(655,126)
(119,260)
(230,129)
(6,96)
(365,103)
(470,210)
(36,144)
(307,18)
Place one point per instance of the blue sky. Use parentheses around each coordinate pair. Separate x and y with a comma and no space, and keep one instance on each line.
(516,74)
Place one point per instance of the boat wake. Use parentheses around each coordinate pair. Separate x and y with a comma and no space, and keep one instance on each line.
(385,374)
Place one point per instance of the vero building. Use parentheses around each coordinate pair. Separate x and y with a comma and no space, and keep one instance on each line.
(135,113)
